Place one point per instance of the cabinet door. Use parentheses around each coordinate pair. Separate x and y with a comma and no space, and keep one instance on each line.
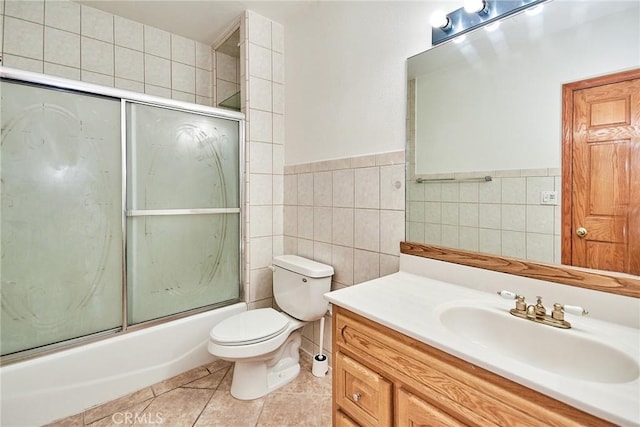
(413,411)
(362,393)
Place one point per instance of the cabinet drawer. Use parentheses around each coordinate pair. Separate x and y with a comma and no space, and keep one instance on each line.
(342,420)
(362,393)
(413,411)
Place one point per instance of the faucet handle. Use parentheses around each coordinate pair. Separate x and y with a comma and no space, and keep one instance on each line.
(559,310)
(575,310)
(521,304)
(508,294)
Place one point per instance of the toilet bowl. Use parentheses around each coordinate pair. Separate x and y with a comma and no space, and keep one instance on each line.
(264,343)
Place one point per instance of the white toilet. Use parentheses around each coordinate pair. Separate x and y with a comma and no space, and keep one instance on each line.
(264,343)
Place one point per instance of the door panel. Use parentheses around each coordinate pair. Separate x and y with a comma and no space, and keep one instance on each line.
(604,177)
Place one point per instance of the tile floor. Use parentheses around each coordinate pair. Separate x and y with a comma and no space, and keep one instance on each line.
(200,397)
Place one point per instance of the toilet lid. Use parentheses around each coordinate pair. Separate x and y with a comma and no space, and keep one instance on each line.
(249,327)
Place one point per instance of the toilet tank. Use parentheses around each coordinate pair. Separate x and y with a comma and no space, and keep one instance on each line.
(299,285)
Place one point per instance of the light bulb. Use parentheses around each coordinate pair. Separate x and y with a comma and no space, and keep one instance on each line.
(474,6)
(439,20)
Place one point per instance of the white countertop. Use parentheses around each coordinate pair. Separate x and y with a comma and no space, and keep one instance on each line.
(411,304)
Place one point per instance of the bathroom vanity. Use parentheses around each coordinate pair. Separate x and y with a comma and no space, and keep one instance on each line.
(411,350)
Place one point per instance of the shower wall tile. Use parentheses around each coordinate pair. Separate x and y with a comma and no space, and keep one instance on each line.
(278,98)
(97,78)
(278,160)
(96,24)
(157,71)
(261,157)
(260,189)
(28,10)
(183,96)
(110,48)
(129,34)
(261,219)
(129,64)
(64,15)
(278,128)
(260,125)
(259,29)
(162,92)
(183,50)
(277,37)
(183,77)
(22,63)
(260,91)
(277,61)
(61,47)
(97,56)
(203,82)
(23,38)
(260,63)
(131,85)
(203,56)
(157,42)
(61,71)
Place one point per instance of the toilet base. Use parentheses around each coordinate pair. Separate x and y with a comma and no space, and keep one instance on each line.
(254,379)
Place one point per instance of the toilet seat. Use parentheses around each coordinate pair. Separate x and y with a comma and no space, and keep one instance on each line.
(249,327)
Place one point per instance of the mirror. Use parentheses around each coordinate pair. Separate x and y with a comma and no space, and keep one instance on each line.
(491,106)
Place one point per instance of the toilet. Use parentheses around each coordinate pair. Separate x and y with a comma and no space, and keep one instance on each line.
(264,343)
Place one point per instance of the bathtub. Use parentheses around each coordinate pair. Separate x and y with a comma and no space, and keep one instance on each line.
(45,389)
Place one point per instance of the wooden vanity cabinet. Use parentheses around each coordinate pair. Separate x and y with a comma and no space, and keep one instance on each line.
(384,378)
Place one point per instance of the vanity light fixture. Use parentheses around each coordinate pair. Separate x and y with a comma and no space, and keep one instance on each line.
(476,6)
(474,14)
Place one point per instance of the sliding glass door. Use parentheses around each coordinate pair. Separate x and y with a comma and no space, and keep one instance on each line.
(61,218)
(114,212)
(184,210)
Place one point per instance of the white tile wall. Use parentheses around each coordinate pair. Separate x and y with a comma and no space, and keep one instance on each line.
(502,217)
(63,38)
(356,213)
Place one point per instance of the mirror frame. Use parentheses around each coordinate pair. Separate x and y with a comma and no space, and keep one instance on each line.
(615,283)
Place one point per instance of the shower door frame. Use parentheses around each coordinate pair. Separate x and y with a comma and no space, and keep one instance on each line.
(125,96)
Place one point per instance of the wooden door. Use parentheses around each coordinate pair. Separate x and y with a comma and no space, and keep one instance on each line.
(601,173)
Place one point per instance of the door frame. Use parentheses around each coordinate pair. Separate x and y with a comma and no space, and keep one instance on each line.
(568,89)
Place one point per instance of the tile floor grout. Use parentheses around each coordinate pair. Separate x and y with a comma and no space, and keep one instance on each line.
(201,397)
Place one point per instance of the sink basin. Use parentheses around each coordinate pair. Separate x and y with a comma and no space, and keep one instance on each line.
(561,351)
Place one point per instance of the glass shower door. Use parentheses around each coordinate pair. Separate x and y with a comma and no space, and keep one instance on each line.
(183,211)
(61,216)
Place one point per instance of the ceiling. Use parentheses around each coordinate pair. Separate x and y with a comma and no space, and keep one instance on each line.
(203,20)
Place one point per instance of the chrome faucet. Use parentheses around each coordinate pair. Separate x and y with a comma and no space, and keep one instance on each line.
(538,313)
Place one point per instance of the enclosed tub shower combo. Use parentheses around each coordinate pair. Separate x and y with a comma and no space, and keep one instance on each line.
(120,211)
